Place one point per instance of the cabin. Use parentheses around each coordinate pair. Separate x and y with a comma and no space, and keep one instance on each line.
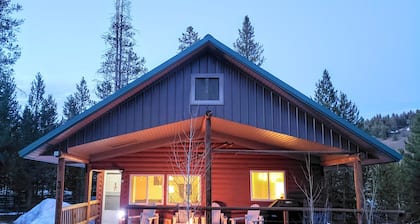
(206,125)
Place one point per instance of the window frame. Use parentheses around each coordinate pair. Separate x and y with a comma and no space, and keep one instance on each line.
(268,182)
(131,176)
(175,175)
(194,101)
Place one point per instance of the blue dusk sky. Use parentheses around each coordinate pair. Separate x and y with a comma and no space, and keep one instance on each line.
(370,48)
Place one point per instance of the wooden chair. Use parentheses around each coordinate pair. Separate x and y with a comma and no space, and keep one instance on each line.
(149,216)
(252,217)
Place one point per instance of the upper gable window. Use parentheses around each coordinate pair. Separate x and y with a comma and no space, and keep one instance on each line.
(207,89)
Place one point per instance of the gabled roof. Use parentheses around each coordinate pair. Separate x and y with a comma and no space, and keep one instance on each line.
(36,148)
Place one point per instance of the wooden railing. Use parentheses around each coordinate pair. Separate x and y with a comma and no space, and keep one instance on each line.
(75,214)
(380,216)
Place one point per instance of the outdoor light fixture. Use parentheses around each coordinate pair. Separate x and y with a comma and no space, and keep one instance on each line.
(57,153)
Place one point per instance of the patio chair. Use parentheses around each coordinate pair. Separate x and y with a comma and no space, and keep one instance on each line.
(217,217)
(149,216)
(182,217)
(252,217)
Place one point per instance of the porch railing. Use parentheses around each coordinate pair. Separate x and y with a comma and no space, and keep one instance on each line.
(78,213)
(380,216)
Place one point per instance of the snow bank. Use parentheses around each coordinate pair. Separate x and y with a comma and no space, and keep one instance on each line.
(42,213)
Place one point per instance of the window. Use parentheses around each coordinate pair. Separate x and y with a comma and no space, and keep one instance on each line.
(178,189)
(207,89)
(146,189)
(267,185)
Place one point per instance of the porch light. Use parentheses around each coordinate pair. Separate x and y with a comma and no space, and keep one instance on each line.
(121,214)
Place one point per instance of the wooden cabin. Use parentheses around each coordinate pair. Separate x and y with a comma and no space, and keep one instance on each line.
(249,133)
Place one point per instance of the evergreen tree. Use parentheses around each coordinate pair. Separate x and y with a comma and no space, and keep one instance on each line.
(246,46)
(39,117)
(340,187)
(9,107)
(325,93)
(121,64)
(9,53)
(348,110)
(188,38)
(412,163)
(9,26)
(79,101)
(9,112)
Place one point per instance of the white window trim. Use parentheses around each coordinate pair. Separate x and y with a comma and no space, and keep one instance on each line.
(220,101)
(174,175)
(267,171)
(147,192)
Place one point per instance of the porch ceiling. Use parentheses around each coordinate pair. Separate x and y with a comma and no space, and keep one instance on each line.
(227,137)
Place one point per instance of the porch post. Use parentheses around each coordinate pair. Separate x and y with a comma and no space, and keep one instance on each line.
(59,189)
(89,193)
(358,187)
(207,142)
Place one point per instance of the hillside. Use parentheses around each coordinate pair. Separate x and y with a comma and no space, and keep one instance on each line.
(397,139)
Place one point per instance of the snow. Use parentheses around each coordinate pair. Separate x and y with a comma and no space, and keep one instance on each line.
(43,213)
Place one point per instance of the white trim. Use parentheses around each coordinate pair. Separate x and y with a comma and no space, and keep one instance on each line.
(220,101)
(130,194)
(268,182)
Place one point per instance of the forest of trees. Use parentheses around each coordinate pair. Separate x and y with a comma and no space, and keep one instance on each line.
(395,185)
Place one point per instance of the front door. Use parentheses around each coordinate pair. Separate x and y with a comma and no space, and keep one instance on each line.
(112,191)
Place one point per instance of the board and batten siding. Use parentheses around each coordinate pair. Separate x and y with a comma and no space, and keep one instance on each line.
(246,101)
(230,173)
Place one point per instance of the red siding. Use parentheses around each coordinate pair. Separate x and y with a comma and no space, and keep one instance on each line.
(230,173)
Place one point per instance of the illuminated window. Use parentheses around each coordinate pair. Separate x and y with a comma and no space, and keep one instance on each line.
(267,185)
(207,89)
(179,189)
(146,189)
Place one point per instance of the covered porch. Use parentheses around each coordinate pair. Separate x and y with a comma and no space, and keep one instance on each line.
(214,139)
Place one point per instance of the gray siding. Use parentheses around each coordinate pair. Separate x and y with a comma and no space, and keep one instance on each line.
(246,101)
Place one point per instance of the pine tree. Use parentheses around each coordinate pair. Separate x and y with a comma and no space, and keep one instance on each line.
(9,26)
(121,64)
(79,101)
(188,38)
(9,53)
(412,163)
(340,187)
(39,117)
(325,93)
(348,110)
(246,46)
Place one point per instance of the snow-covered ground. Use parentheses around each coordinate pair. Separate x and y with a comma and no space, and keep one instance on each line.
(43,213)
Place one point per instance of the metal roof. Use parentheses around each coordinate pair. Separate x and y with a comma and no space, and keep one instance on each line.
(123,93)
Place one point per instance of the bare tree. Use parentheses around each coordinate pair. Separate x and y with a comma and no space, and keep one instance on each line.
(311,189)
(188,160)
(370,193)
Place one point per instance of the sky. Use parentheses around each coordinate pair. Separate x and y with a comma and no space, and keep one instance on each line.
(370,48)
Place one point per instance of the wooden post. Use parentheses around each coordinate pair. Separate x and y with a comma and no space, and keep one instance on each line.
(59,189)
(207,142)
(358,187)
(89,195)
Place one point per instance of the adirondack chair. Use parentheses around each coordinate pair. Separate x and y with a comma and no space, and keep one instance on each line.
(182,217)
(149,216)
(252,217)
(217,217)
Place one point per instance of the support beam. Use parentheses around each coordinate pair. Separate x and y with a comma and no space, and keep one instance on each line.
(59,189)
(207,141)
(73,158)
(358,187)
(340,160)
